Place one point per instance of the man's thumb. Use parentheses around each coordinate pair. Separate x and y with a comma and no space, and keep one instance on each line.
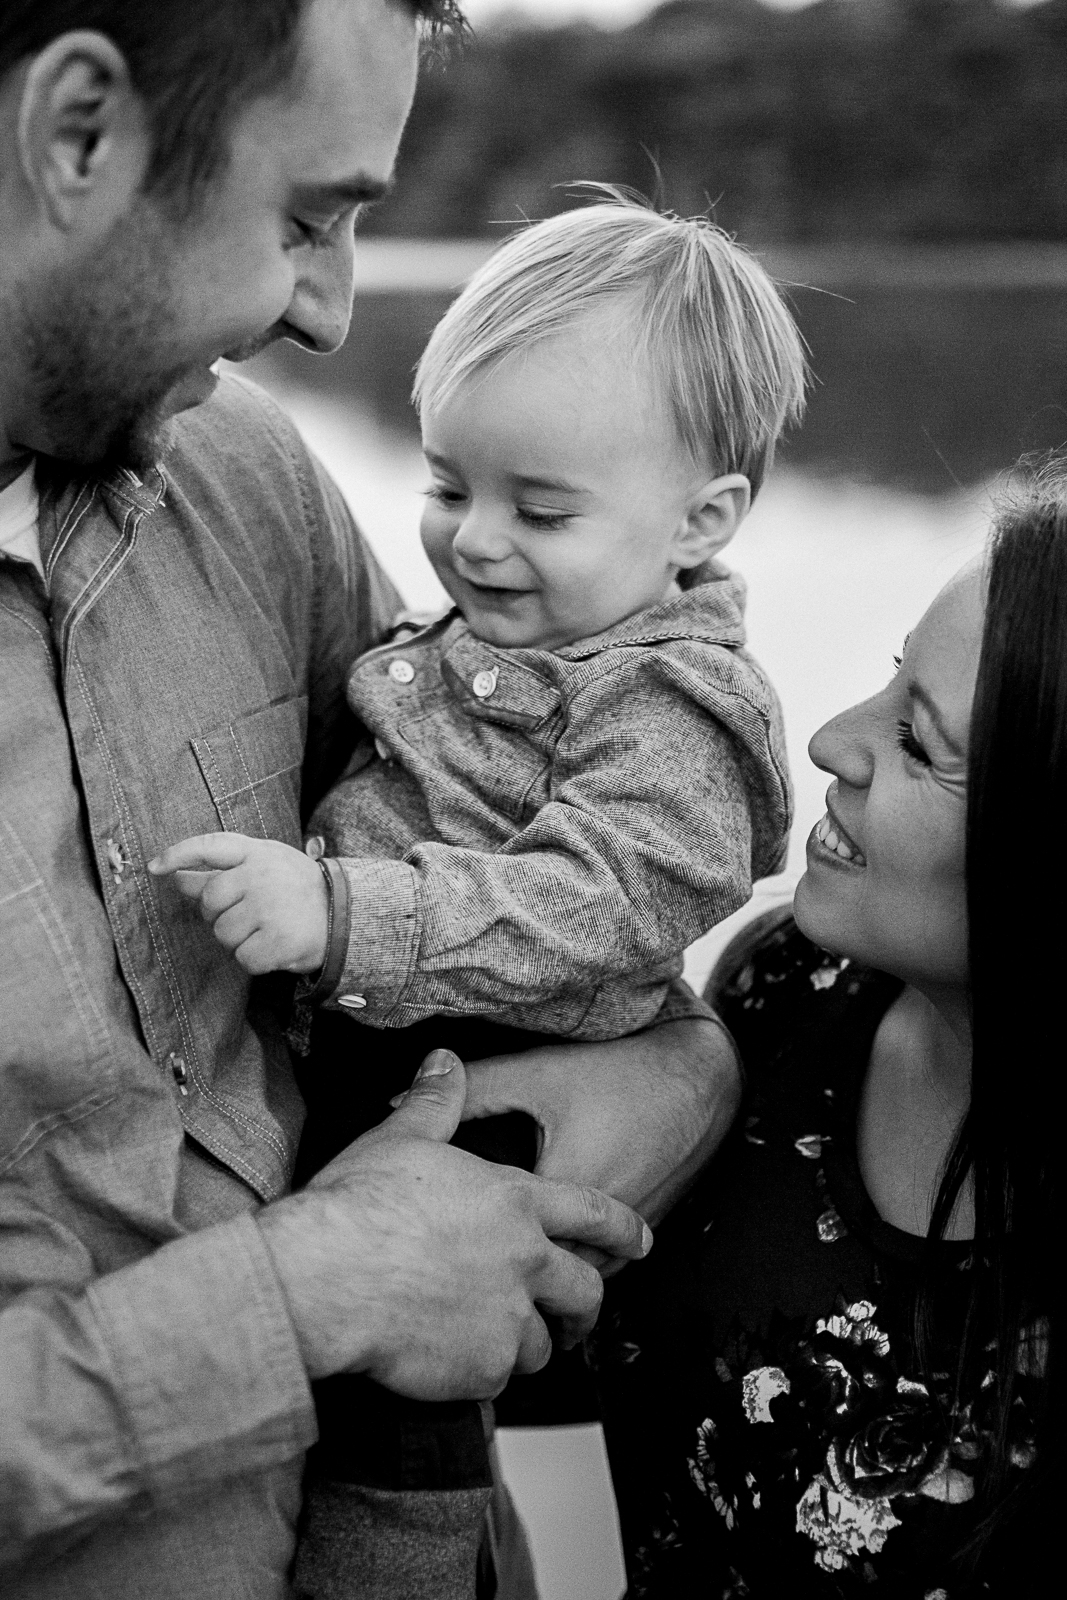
(433,1106)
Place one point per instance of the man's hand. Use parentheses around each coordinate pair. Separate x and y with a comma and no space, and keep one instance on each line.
(431,1270)
(266,902)
(636,1117)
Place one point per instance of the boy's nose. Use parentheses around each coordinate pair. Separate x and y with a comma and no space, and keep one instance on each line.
(481,537)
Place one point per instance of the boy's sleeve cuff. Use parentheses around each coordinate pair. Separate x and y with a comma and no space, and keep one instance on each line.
(330,973)
(381,937)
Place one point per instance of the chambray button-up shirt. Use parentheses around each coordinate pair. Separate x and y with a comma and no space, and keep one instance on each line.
(182,670)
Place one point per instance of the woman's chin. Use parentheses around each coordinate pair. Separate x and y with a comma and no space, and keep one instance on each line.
(819,901)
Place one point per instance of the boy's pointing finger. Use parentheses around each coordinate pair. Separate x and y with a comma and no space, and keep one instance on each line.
(205,852)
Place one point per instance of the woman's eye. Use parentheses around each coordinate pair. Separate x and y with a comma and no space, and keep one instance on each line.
(542,519)
(909,744)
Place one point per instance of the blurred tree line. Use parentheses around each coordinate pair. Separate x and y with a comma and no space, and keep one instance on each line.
(926,120)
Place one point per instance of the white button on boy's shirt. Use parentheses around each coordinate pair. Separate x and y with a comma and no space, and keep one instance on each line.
(352,1002)
(18,520)
(485,683)
(401,671)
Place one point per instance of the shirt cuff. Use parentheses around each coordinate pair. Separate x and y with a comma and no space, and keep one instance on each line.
(383,937)
(205,1360)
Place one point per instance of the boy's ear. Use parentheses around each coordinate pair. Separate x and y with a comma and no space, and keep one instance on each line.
(715,513)
(83,138)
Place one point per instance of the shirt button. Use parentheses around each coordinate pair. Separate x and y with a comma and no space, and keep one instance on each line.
(351,1002)
(315,847)
(485,683)
(383,750)
(401,671)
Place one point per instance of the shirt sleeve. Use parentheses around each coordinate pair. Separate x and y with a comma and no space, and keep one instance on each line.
(577,924)
(158,1380)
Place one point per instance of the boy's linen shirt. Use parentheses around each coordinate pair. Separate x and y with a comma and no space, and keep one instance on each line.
(560,825)
(189,643)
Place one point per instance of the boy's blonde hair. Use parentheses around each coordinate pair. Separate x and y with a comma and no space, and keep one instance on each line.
(718,338)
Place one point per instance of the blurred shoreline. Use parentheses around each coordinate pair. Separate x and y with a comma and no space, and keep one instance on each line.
(397,266)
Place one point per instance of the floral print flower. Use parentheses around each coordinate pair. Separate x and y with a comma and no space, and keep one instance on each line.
(759,1388)
(841,1526)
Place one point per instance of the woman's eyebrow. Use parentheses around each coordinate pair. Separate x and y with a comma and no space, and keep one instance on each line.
(929,704)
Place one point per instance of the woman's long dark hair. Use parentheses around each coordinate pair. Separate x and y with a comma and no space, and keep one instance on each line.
(1009,1140)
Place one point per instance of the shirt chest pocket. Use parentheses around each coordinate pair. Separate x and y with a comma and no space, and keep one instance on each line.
(252,766)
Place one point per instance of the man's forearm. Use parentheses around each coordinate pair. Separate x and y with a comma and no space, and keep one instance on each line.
(638,1117)
(157,1381)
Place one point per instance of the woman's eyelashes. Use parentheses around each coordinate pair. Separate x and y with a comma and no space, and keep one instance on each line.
(909,743)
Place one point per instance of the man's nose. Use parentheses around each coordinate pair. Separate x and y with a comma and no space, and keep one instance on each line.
(321,308)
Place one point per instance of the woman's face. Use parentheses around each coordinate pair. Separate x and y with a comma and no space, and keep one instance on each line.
(885,881)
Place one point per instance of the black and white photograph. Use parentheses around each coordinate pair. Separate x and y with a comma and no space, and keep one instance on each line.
(533,621)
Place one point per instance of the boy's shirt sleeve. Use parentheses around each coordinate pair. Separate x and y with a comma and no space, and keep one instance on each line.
(667,798)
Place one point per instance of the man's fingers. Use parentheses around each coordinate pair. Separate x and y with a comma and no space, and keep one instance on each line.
(204,852)
(433,1106)
(570,1289)
(588,1216)
(535,1346)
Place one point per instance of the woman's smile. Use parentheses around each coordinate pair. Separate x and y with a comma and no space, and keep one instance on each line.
(829,841)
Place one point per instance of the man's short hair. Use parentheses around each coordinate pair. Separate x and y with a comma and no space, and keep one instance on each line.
(195,63)
(703,315)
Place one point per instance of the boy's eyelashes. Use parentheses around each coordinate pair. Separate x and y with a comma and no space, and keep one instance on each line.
(543,519)
(528,515)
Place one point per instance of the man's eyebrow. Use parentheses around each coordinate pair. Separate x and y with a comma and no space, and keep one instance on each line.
(927,701)
(355,191)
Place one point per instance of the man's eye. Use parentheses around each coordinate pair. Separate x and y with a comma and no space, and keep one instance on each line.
(909,744)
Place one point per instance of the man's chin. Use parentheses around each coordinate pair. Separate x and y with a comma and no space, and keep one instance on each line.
(191,389)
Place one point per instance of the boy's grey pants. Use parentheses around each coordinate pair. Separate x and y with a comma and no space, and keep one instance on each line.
(359,1542)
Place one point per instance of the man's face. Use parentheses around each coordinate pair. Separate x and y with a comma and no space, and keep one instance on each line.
(126,335)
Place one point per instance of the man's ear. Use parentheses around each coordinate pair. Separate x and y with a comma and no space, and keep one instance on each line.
(83,137)
(715,513)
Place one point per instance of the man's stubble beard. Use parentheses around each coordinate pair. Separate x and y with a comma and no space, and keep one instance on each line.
(96,338)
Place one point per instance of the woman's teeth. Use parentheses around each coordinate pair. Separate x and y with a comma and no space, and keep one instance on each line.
(828,835)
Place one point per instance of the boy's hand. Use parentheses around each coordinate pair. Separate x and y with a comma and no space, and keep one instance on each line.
(266,902)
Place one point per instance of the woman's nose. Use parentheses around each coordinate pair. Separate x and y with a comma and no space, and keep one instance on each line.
(842,748)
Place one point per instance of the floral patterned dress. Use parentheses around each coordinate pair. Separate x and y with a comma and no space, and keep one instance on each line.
(770,1427)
